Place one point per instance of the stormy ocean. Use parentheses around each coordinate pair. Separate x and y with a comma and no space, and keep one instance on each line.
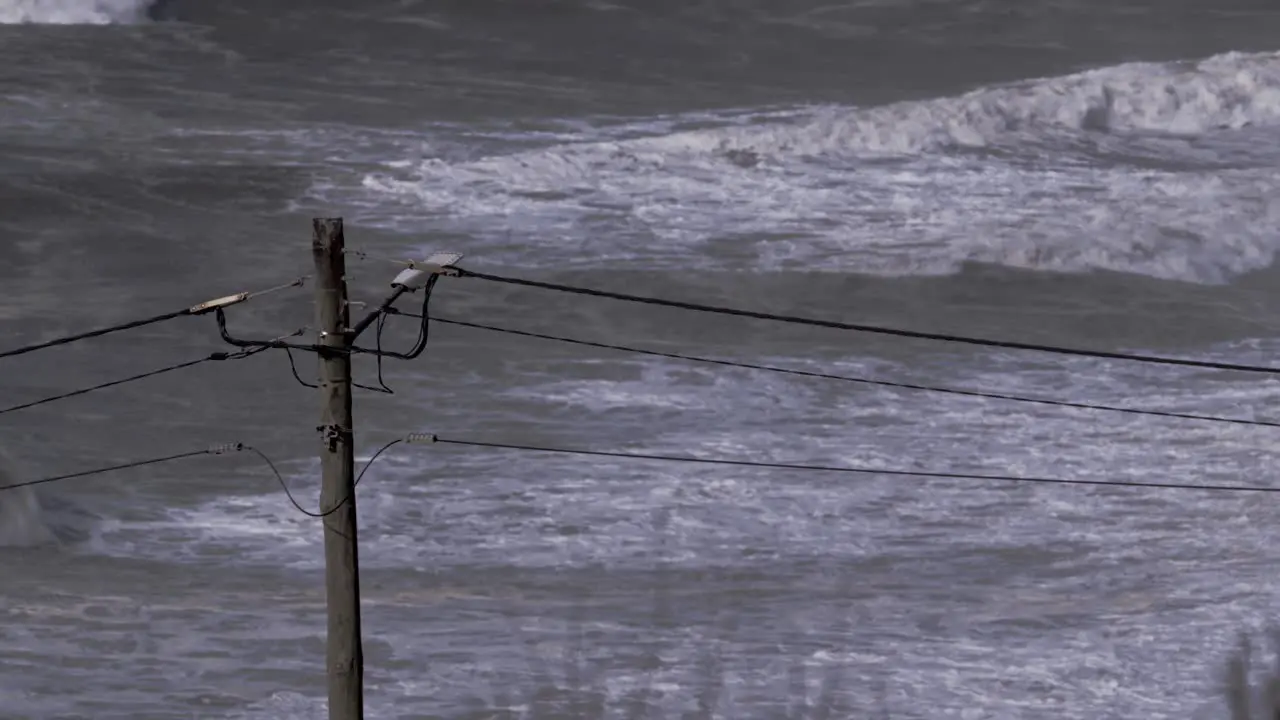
(1100,174)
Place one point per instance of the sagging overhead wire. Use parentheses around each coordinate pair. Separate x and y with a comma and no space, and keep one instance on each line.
(425,438)
(850,378)
(212,357)
(419,345)
(214,450)
(199,309)
(424,327)
(217,356)
(872,329)
(345,499)
(220,317)
(293,368)
(223,449)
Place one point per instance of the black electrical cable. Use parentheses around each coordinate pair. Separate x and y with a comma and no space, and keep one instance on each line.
(849,378)
(216,450)
(98,333)
(218,356)
(858,470)
(798,320)
(424,328)
(200,309)
(323,513)
(124,466)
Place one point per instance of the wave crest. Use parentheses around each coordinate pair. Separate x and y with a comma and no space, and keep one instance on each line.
(1159,169)
(72,12)
(1225,92)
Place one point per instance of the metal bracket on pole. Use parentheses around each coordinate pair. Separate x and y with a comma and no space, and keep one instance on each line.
(256,344)
(333,434)
(437,264)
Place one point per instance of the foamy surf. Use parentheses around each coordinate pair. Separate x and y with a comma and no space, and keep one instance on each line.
(72,12)
(881,190)
(1229,91)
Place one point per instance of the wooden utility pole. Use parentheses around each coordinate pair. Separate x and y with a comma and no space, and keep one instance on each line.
(345,654)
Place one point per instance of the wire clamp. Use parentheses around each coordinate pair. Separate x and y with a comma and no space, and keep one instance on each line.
(332,435)
(218,303)
(418,272)
(226,448)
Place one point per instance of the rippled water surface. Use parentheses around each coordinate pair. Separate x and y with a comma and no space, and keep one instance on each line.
(1079,173)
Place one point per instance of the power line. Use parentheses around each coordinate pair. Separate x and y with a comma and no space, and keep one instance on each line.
(365,255)
(96,333)
(300,281)
(423,438)
(212,357)
(289,493)
(215,450)
(199,309)
(873,329)
(293,367)
(341,503)
(133,378)
(223,449)
(849,378)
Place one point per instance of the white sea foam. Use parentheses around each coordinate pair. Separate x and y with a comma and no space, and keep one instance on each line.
(877,189)
(477,507)
(1228,91)
(72,12)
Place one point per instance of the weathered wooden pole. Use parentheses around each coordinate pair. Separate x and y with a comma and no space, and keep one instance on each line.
(344,653)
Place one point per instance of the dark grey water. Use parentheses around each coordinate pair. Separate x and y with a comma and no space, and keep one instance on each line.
(1099,174)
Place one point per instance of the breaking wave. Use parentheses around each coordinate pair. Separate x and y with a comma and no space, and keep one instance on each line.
(73,12)
(884,190)
(1230,91)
